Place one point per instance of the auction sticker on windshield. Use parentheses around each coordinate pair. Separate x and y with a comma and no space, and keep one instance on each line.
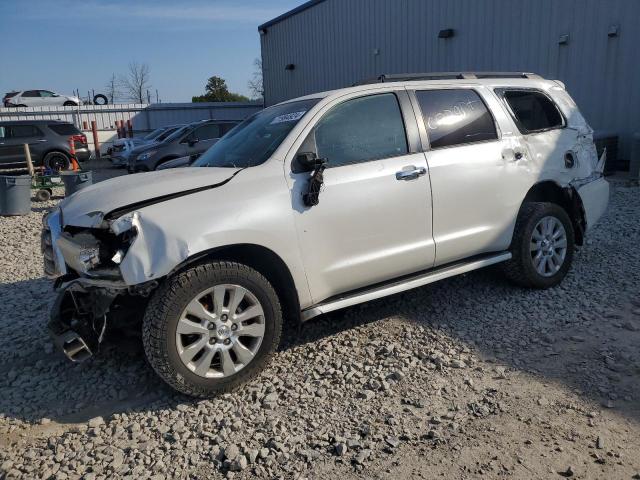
(289,117)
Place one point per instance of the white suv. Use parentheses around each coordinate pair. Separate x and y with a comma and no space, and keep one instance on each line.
(319,203)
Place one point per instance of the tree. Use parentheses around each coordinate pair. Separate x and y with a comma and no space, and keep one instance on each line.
(136,82)
(113,89)
(255,84)
(216,90)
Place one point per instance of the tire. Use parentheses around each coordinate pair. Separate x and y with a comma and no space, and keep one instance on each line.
(21,106)
(43,195)
(57,161)
(167,310)
(69,103)
(103,99)
(530,253)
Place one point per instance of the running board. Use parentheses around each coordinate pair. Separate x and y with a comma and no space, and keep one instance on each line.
(405,284)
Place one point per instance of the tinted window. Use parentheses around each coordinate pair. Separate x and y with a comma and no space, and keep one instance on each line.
(206,132)
(23,131)
(2,132)
(30,93)
(64,129)
(534,111)
(46,93)
(255,139)
(360,130)
(455,117)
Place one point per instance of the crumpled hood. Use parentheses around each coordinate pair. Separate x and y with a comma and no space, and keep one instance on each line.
(87,207)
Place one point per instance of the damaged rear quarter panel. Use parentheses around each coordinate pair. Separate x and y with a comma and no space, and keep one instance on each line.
(254,208)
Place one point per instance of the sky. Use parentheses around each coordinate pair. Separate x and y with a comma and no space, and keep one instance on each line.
(62,45)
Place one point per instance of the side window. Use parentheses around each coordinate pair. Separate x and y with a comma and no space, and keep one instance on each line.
(30,93)
(2,133)
(207,132)
(455,117)
(362,129)
(533,111)
(46,93)
(24,131)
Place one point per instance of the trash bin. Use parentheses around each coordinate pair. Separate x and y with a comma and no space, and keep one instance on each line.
(74,181)
(15,194)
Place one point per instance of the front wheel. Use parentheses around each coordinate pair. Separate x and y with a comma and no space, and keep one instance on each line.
(212,327)
(543,246)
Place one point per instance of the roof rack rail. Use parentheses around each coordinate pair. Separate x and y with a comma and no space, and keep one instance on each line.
(407,77)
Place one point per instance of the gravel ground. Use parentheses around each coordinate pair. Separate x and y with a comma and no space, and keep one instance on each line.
(470,377)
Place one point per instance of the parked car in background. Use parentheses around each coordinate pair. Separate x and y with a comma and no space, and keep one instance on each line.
(39,98)
(320,203)
(193,139)
(122,147)
(48,142)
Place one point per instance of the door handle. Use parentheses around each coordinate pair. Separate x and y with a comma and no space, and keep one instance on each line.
(42,140)
(410,173)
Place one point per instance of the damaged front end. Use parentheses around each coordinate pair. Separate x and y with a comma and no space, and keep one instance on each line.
(92,295)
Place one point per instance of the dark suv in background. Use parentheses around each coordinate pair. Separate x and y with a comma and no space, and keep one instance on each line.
(189,141)
(48,142)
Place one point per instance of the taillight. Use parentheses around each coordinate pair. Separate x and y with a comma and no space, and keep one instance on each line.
(82,138)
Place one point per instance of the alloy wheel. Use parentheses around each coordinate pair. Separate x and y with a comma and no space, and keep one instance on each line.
(548,246)
(220,331)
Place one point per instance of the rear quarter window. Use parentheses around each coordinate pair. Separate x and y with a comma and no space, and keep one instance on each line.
(25,131)
(533,111)
(455,117)
(65,129)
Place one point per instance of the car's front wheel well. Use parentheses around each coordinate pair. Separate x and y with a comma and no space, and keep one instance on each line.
(264,261)
(565,197)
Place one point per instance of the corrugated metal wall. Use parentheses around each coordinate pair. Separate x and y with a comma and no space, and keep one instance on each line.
(144,117)
(334,43)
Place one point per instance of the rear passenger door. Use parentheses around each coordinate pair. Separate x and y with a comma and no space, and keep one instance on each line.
(30,98)
(31,135)
(13,140)
(479,174)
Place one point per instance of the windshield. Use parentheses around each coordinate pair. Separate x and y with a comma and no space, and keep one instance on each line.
(172,134)
(153,134)
(253,141)
(168,132)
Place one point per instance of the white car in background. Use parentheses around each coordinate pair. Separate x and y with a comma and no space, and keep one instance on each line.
(39,98)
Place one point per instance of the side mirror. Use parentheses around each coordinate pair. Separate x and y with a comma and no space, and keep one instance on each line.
(307,162)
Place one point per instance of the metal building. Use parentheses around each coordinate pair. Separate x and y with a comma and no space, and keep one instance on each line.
(593,46)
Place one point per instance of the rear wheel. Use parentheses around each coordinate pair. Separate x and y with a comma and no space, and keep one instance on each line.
(56,161)
(212,328)
(542,247)
(69,103)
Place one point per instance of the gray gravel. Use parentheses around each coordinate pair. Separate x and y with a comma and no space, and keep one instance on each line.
(467,377)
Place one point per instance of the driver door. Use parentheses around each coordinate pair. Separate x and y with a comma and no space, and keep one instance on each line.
(373,220)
